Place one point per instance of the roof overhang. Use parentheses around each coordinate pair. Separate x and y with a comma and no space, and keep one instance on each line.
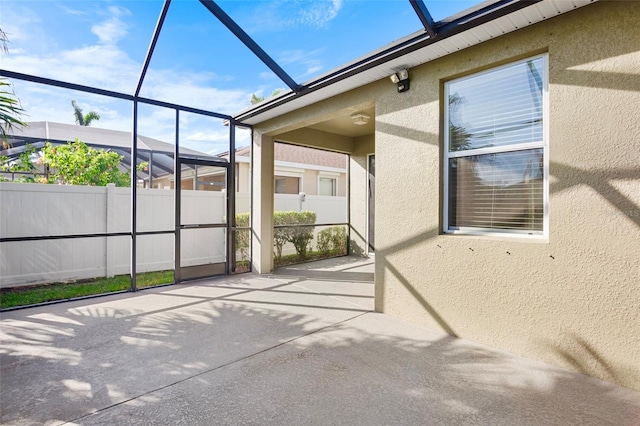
(484,22)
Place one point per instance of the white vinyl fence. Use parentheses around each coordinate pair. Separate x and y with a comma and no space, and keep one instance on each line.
(31,210)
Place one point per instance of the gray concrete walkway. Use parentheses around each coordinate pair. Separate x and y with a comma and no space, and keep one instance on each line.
(300,347)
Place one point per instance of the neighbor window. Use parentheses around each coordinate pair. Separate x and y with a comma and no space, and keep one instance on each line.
(327,186)
(495,153)
(287,185)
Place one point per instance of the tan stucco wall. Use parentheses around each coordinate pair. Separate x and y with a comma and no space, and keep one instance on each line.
(342,185)
(310,182)
(572,300)
(244,177)
(359,193)
(262,203)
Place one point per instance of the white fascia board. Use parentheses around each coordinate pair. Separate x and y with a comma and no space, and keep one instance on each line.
(287,164)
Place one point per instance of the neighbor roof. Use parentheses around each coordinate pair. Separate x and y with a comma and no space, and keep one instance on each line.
(36,133)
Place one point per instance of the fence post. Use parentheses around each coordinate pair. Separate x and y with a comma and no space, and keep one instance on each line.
(111,227)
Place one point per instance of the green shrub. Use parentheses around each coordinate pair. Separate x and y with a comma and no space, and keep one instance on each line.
(299,236)
(243,236)
(332,240)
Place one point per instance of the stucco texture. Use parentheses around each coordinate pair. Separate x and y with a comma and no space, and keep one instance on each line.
(574,299)
(571,300)
(358,194)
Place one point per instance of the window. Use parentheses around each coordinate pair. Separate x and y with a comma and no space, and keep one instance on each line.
(495,153)
(327,186)
(287,185)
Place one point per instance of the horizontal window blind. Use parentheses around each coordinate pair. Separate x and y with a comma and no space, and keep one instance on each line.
(497,191)
(499,108)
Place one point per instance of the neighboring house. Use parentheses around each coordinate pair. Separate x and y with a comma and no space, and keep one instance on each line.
(507,194)
(157,153)
(299,169)
(296,169)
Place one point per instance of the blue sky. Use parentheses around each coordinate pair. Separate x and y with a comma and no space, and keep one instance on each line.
(197,62)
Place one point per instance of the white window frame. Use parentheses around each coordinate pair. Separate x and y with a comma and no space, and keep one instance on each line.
(332,176)
(544,144)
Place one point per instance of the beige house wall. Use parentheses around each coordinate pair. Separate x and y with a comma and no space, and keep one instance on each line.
(244,177)
(359,194)
(310,182)
(572,300)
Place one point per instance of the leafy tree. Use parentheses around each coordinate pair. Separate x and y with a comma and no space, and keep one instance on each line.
(84,119)
(78,164)
(10,109)
(23,166)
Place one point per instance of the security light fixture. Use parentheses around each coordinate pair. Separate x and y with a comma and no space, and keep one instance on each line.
(360,118)
(401,78)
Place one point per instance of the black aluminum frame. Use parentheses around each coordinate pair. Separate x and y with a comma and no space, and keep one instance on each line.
(443,30)
(136,99)
(433,32)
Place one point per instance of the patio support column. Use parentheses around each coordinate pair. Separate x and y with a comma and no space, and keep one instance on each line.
(262,203)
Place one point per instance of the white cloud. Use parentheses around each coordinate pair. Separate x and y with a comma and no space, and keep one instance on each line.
(70,11)
(319,14)
(279,15)
(119,11)
(110,31)
(298,55)
(308,60)
(312,70)
(104,64)
(20,25)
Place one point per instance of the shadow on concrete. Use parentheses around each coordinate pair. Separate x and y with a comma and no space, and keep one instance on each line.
(227,362)
(345,268)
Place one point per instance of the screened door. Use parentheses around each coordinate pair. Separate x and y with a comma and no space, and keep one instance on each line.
(201,237)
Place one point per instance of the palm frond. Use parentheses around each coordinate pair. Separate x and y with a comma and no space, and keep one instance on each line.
(77,112)
(10,109)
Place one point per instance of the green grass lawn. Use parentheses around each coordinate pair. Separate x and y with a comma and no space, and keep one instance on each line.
(21,296)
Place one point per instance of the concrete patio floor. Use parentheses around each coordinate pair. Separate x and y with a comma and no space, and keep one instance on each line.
(299,347)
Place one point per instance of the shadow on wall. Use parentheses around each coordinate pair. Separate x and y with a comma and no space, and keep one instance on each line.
(576,352)
(383,265)
(600,180)
(202,357)
(566,71)
(355,249)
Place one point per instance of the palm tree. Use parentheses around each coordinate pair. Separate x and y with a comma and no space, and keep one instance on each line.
(257,99)
(10,109)
(84,119)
